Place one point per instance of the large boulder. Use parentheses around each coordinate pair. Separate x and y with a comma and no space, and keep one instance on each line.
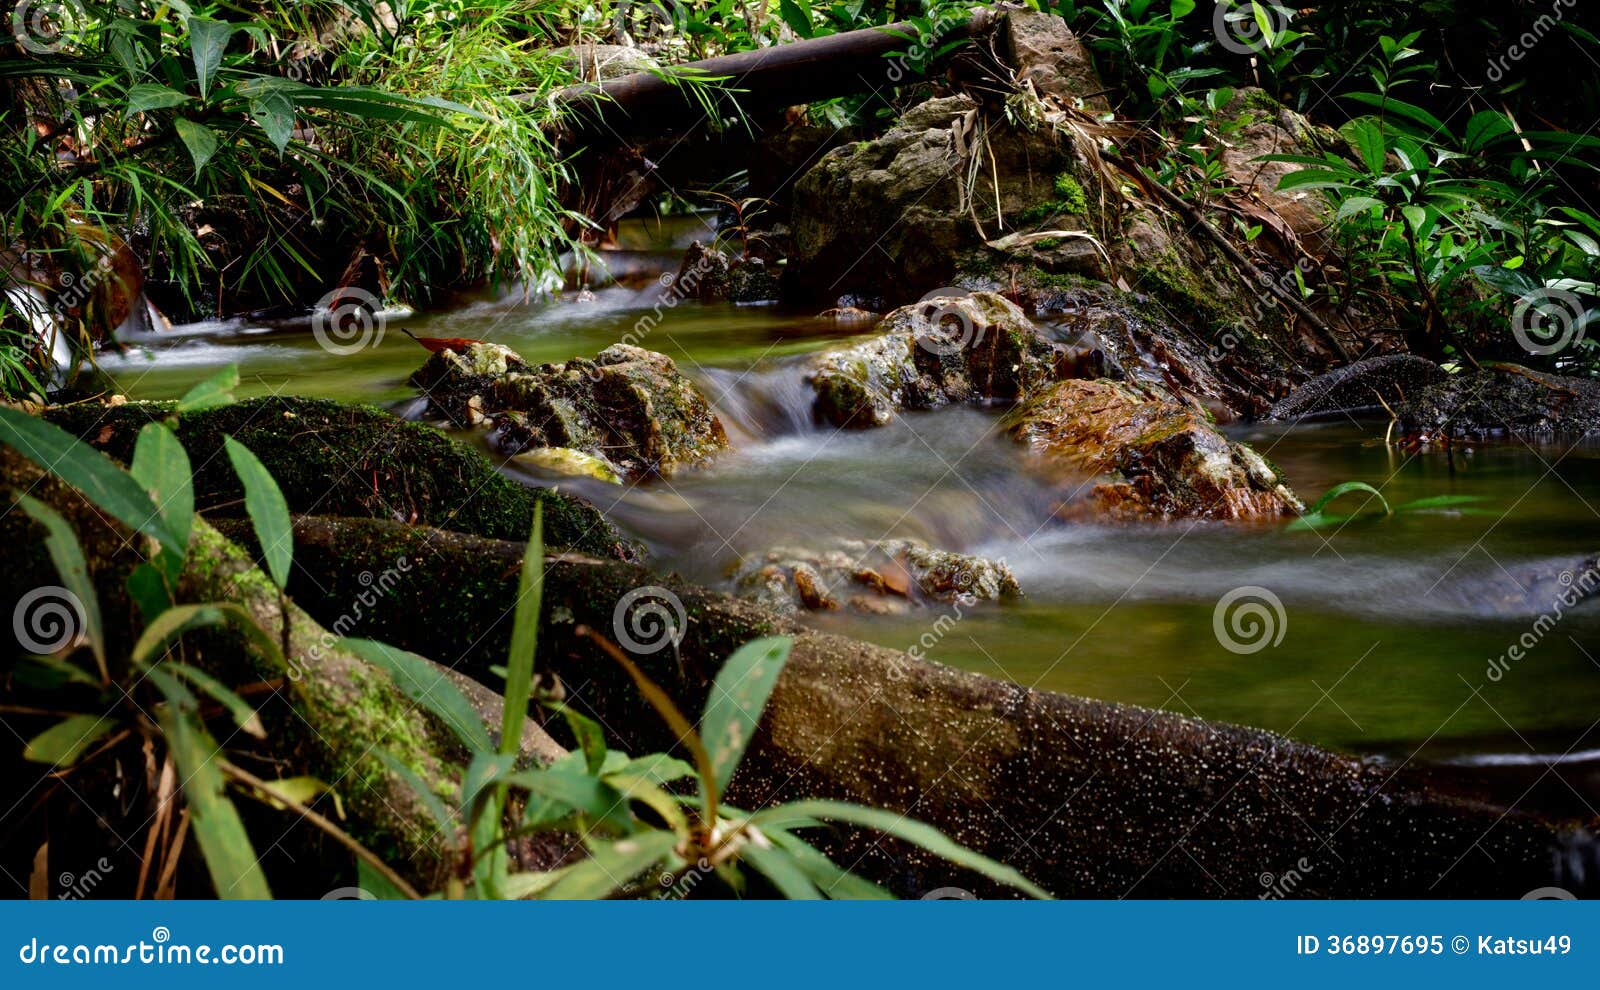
(1043,53)
(942,350)
(1503,400)
(882,577)
(630,410)
(890,217)
(1163,458)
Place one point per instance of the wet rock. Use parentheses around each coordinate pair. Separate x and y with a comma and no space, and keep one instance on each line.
(890,216)
(1164,458)
(629,407)
(1273,129)
(1367,384)
(848,316)
(711,275)
(879,578)
(454,382)
(1503,400)
(1044,53)
(943,350)
(569,462)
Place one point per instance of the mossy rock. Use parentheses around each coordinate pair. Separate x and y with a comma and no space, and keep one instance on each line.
(359,461)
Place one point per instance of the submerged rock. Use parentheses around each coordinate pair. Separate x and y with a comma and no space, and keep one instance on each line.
(1368,384)
(1165,459)
(711,275)
(942,350)
(630,411)
(883,577)
(1504,400)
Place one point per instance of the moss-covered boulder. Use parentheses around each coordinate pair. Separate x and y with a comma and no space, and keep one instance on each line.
(1163,458)
(882,577)
(358,461)
(936,352)
(629,407)
(454,381)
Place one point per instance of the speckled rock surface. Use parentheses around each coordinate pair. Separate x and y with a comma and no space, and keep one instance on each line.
(1501,401)
(1163,458)
(1364,385)
(939,351)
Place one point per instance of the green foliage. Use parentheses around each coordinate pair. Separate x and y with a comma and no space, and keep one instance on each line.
(1318,517)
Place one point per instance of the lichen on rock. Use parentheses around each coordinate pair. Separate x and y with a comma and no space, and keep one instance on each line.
(876,577)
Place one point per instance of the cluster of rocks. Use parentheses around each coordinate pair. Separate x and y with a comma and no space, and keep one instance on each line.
(882,578)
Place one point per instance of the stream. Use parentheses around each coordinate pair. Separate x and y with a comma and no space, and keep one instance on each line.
(1388,629)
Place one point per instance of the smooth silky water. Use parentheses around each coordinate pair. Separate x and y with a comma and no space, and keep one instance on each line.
(1390,626)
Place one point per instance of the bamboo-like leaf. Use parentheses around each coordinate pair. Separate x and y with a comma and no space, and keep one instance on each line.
(62,743)
(738,697)
(67,555)
(907,829)
(230,858)
(179,619)
(833,880)
(269,511)
(162,466)
(524,638)
(786,875)
(609,867)
(423,683)
(244,716)
(100,479)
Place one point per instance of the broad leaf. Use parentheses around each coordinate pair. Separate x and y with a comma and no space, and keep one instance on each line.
(738,696)
(609,867)
(199,139)
(269,512)
(67,555)
(211,393)
(62,743)
(208,39)
(427,685)
(150,96)
(162,466)
(786,875)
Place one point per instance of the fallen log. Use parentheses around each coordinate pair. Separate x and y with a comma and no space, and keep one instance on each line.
(642,104)
(1087,798)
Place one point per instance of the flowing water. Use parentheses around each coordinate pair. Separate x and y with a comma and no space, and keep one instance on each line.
(1391,633)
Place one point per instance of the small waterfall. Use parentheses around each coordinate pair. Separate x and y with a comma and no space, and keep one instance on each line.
(761,403)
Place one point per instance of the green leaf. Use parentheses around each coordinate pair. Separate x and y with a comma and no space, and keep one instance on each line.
(199,139)
(208,39)
(786,875)
(269,512)
(796,14)
(244,716)
(162,466)
(94,474)
(580,792)
(591,738)
(1436,129)
(1345,488)
(230,858)
(62,743)
(179,619)
(148,589)
(427,685)
(609,866)
(67,555)
(524,638)
(213,392)
(1486,127)
(832,879)
(430,801)
(907,829)
(738,696)
(1313,178)
(1366,137)
(150,96)
(274,114)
